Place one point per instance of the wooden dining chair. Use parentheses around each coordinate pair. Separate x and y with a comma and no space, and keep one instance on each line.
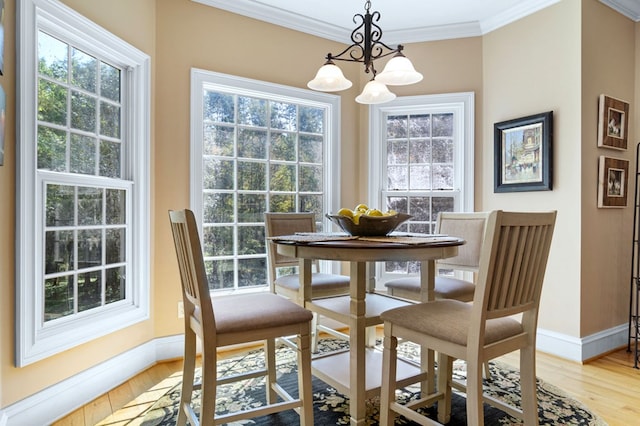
(288,284)
(469,226)
(510,277)
(229,320)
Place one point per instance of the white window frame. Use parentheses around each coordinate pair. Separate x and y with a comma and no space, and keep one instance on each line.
(211,80)
(462,105)
(36,340)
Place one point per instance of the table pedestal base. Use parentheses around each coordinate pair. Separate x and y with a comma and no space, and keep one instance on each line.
(334,370)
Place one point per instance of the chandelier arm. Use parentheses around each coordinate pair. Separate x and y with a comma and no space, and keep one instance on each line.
(377,50)
(358,56)
(351,58)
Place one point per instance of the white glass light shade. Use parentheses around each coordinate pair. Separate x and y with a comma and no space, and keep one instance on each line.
(375,93)
(399,71)
(329,79)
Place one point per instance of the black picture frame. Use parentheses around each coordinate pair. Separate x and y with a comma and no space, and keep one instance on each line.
(523,154)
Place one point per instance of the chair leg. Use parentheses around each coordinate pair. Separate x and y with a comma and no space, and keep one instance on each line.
(208,391)
(188,370)
(528,386)
(487,371)
(445,370)
(314,333)
(270,363)
(389,367)
(304,377)
(428,361)
(475,413)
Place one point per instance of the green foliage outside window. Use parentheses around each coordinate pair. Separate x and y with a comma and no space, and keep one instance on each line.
(79,133)
(258,155)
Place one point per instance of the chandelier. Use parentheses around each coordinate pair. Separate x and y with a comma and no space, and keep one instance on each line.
(366,48)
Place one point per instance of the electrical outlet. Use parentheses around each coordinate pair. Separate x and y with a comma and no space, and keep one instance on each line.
(180,309)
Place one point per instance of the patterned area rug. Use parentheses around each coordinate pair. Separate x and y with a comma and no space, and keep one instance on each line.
(332,408)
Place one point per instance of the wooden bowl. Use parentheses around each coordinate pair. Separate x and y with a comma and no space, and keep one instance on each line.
(370,226)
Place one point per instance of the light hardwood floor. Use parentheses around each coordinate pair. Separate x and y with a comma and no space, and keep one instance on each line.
(609,386)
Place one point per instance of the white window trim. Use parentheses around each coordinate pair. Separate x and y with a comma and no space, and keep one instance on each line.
(462,103)
(238,85)
(458,103)
(33,341)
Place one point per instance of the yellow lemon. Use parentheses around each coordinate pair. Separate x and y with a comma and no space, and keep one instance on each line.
(345,212)
(373,212)
(356,217)
(390,213)
(361,208)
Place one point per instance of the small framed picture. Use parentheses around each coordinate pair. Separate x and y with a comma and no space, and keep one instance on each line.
(523,159)
(612,182)
(613,123)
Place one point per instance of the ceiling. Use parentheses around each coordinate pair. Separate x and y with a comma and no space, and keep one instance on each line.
(413,21)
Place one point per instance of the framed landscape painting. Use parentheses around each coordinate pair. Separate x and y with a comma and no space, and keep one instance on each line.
(523,154)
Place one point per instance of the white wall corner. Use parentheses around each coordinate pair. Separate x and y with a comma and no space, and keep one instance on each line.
(170,347)
(582,349)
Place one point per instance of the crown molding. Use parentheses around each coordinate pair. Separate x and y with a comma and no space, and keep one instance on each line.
(298,22)
(629,8)
(432,33)
(281,17)
(514,13)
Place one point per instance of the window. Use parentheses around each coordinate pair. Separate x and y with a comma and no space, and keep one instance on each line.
(422,150)
(257,147)
(83,184)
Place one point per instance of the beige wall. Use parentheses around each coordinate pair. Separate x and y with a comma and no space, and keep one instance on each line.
(135,23)
(7,206)
(532,66)
(552,60)
(606,233)
(230,44)
(561,59)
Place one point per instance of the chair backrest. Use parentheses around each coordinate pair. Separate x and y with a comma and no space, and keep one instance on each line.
(277,224)
(469,226)
(512,265)
(198,310)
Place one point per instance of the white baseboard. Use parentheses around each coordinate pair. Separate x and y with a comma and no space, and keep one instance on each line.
(585,348)
(605,341)
(62,398)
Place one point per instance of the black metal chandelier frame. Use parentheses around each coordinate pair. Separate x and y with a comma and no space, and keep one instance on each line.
(367,45)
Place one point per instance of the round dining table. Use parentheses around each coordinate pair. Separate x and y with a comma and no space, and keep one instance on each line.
(357,373)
